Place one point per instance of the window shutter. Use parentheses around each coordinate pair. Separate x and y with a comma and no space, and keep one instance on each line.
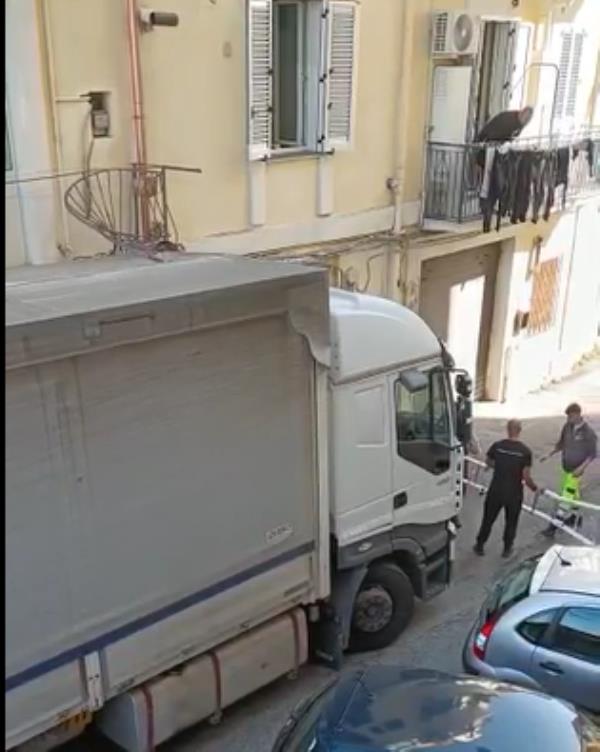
(574,75)
(519,70)
(563,75)
(260,78)
(339,78)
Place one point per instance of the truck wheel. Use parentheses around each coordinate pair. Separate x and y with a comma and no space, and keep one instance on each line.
(382,609)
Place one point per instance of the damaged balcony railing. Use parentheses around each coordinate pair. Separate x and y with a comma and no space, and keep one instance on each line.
(127,206)
(454,174)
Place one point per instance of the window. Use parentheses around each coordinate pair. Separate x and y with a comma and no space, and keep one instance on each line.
(8,158)
(569,64)
(544,296)
(301,75)
(534,628)
(511,589)
(423,419)
(290,73)
(578,634)
(496,70)
(300,732)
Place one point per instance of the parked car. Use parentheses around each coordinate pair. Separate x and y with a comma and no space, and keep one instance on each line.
(540,626)
(387,708)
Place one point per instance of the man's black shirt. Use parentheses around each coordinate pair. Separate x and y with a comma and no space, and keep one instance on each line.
(510,458)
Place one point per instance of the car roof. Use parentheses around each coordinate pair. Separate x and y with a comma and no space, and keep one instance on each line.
(568,569)
(390,708)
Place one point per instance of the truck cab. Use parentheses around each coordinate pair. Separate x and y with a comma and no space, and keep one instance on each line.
(395,464)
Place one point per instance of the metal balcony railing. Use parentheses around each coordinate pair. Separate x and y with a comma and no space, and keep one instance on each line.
(454,174)
(127,206)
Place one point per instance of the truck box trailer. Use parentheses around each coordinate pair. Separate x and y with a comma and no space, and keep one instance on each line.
(211,463)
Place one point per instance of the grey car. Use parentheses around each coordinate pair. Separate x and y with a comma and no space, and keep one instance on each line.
(540,627)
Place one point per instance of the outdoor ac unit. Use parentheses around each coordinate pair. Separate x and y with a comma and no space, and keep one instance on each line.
(454,33)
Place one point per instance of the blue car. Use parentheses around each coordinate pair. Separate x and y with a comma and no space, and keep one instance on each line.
(387,708)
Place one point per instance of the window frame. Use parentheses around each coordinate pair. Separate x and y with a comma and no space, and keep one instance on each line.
(302,129)
(9,171)
(326,26)
(551,635)
(432,441)
(543,640)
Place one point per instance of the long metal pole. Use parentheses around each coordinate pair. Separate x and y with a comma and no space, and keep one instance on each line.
(139,134)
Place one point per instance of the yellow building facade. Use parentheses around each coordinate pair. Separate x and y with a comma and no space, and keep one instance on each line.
(323,129)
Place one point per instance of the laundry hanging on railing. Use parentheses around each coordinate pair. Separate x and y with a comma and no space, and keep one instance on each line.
(521,182)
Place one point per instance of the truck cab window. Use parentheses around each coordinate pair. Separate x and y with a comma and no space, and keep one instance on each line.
(423,422)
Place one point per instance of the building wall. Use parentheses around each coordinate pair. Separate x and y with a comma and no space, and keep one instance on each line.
(194,80)
(537,359)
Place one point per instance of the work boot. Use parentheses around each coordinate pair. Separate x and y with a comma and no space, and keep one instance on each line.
(478,548)
(507,552)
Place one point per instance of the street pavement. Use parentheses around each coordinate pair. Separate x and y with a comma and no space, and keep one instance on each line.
(435,637)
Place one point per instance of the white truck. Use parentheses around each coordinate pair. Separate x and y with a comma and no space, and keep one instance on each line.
(215,469)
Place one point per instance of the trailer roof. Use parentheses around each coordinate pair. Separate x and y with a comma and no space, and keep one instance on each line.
(54,291)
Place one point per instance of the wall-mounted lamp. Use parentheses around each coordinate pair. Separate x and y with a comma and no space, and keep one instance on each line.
(150,18)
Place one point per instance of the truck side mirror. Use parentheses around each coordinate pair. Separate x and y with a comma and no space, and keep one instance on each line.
(464,385)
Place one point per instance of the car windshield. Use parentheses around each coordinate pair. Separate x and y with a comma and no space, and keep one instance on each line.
(300,732)
(511,589)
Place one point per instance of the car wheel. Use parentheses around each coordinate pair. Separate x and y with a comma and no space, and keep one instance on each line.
(382,608)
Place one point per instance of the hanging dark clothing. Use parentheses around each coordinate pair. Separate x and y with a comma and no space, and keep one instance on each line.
(523,188)
(551,178)
(562,171)
(539,177)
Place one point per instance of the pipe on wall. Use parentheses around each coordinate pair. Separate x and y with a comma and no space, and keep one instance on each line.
(135,76)
(397,183)
(139,131)
(64,240)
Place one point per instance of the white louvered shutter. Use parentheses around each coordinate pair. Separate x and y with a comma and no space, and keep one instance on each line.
(260,78)
(574,72)
(563,74)
(339,79)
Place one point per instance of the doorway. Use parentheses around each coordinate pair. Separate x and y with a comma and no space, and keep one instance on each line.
(457,301)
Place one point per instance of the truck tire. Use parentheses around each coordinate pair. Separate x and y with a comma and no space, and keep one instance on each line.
(382,608)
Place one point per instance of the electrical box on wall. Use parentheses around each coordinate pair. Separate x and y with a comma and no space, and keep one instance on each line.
(100,113)
(450,103)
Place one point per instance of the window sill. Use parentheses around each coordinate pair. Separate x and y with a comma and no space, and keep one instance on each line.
(287,155)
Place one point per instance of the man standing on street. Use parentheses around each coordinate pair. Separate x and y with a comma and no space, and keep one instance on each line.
(578,445)
(511,462)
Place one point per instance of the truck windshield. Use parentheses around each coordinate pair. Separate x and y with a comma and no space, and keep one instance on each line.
(423,422)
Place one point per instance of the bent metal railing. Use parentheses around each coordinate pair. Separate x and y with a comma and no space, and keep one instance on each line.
(454,174)
(587,516)
(127,206)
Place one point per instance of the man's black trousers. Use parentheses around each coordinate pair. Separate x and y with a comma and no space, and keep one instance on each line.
(494,502)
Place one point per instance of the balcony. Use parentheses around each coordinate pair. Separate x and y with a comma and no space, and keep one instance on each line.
(454,175)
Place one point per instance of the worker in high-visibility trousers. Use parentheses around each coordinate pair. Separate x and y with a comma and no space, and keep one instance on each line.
(578,446)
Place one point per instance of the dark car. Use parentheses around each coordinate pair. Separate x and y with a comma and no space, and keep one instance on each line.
(387,708)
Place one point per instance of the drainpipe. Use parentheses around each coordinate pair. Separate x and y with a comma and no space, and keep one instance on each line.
(64,243)
(397,183)
(28,126)
(139,134)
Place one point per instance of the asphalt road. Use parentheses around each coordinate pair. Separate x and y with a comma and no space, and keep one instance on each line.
(435,637)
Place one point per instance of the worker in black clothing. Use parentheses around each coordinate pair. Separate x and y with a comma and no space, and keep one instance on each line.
(511,461)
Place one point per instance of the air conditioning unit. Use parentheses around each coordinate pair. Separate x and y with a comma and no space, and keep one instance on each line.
(454,33)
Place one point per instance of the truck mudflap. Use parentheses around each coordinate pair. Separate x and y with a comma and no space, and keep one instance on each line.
(329,637)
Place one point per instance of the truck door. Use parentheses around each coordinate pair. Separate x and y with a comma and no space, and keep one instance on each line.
(423,462)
